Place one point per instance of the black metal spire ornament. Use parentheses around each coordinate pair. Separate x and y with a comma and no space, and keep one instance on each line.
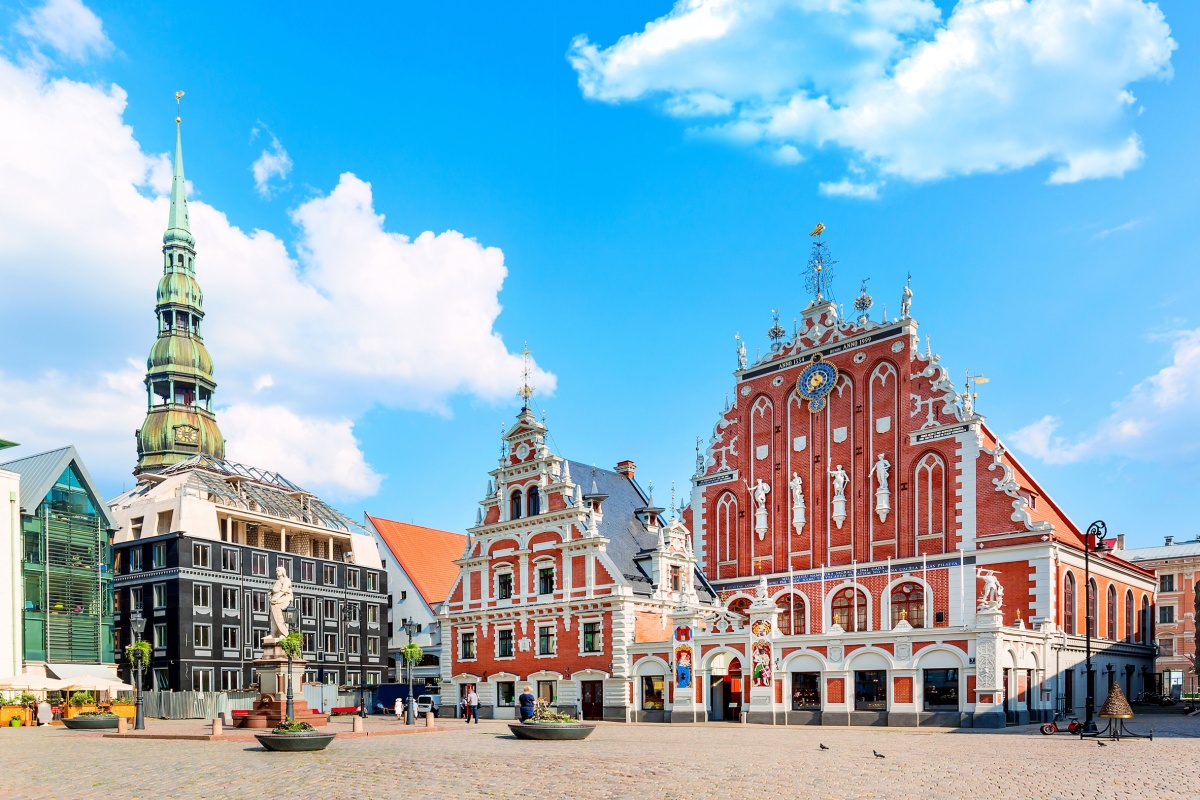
(818,276)
(776,332)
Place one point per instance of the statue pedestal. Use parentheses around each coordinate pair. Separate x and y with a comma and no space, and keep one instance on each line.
(270,708)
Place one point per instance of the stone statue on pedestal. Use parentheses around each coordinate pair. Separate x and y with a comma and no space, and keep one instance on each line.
(993,593)
(280,598)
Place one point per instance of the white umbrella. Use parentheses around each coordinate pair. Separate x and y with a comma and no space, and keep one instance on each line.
(93,683)
(34,683)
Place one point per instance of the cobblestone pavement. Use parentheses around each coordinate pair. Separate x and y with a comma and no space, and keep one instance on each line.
(663,762)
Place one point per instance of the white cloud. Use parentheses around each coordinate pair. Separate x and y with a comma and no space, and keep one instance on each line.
(1160,418)
(1122,228)
(363,317)
(67,26)
(996,85)
(848,188)
(274,163)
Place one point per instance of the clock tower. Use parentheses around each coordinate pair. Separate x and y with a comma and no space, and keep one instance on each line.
(179,374)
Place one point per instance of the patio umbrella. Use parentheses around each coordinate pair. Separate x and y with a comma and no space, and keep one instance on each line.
(92,683)
(33,683)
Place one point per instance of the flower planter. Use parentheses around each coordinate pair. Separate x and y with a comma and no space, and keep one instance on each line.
(294,742)
(128,712)
(9,713)
(90,723)
(551,731)
(75,711)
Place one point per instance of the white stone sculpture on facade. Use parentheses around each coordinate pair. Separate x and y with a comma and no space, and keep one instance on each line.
(760,491)
(280,598)
(840,479)
(883,495)
(741,351)
(906,302)
(796,485)
(993,593)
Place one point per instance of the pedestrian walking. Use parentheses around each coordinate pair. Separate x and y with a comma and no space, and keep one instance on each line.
(472,706)
(527,702)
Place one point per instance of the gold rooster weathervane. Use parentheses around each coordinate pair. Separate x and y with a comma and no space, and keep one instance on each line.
(817,231)
(818,275)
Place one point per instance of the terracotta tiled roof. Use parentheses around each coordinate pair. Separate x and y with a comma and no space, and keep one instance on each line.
(427,555)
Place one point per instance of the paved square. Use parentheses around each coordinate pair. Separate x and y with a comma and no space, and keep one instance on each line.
(618,761)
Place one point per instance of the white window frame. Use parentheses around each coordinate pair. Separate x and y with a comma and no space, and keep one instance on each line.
(197,627)
(159,632)
(256,559)
(599,636)
(334,636)
(537,642)
(237,561)
(200,677)
(539,564)
(237,630)
(510,629)
(158,555)
(198,548)
(373,647)
(226,592)
(308,572)
(235,684)
(254,602)
(202,598)
(462,634)
(159,592)
(504,571)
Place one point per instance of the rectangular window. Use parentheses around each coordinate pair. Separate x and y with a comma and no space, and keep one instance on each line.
(504,586)
(352,645)
(331,643)
(158,555)
(941,690)
(160,636)
(652,692)
(229,599)
(506,692)
(258,563)
(1166,647)
(135,526)
(160,595)
(505,643)
(135,559)
(308,641)
(286,563)
(548,691)
(201,596)
(1166,614)
(231,680)
(546,580)
(258,602)
(331,678)
(135,599)
(806,691)
(351,579)
(467,648)
(329,574)
(229,637)
(372,679)
(372,581)
(1166,583)
(330,609)
(352,677)
(256,637)
(676,579)
(591,637)
(229,559)
(308,572)
(372,615)
(202,680)
(163,522)
(202,636)
(372,645)
(162,680)
(308,607)
(546,640)
(350,610)
(870,690)
(200,560)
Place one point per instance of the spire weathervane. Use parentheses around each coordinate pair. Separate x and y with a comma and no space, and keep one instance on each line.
(819,274)
(527,389)
(776,333)
(863,303)
(178,97)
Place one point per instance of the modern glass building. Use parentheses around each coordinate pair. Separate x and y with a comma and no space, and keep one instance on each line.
(66,563)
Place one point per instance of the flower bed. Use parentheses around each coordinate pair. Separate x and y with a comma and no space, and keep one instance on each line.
(294,737)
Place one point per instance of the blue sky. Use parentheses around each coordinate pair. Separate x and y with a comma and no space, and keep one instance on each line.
(624,205)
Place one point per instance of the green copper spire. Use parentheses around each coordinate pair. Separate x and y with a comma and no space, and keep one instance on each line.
(180,422)
(178,229)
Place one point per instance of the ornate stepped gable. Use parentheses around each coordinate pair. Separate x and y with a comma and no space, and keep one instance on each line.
(179,382)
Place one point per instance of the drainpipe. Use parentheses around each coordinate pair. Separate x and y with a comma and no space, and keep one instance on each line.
(18,586)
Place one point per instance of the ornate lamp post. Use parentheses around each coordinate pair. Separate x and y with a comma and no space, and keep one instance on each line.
(138,624)
(410,716)
(1097,531)
(292,617)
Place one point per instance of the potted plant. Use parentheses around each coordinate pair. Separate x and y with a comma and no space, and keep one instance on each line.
(14,711)
(550,725)
(294,737)
(81,703)
(91,721)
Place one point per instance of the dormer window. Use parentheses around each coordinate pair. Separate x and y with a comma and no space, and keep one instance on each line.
(514,505)
(534,502)
(676,579)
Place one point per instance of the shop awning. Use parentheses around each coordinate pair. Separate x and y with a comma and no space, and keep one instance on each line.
(68,671)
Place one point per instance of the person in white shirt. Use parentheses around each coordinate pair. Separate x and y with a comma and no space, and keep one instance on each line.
(472,706)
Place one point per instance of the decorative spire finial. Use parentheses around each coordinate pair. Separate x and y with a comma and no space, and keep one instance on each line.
(674,514)
(178,228)
(776,332)
(527,389)
(863,303)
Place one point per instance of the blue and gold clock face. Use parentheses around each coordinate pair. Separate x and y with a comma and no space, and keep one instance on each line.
(815,384)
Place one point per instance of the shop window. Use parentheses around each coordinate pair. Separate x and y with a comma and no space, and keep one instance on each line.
(806,691)
(652,692)
(506,693)
(548,691)
(941,690)
(908,604)
(850,609)
(870,690)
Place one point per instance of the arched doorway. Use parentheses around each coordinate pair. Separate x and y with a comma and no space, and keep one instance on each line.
(725,688)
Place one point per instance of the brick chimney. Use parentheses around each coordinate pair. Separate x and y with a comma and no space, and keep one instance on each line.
(1120,541)
(625,468)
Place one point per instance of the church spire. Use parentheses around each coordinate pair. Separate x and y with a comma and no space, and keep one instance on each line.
(178,227)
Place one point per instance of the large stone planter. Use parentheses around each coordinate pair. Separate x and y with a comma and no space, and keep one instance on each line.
(551,731)
(90,723)
(294,742)
(128,712)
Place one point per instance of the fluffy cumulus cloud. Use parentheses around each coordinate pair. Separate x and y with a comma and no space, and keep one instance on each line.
(304,341)
(68,27)
(272,167)
(1159,419)
(994,85)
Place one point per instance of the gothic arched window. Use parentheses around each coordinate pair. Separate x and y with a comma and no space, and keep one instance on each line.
(908,604)
(1068,612)
(1144,630)
(1129,615)
(726,528)
(792,617)
(929,499)
(514,505)
(1112,612)
(533,503)
(1092,599)
(850,609)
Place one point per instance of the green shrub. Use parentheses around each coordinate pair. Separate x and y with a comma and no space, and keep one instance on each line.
(82,699)
(291,726)
(96,714)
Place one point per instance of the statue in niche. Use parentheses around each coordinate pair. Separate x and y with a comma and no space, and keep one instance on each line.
(796,485)
(881,470)
(759,491)
(840,479)
(993,593)
(280,599)
(883,495)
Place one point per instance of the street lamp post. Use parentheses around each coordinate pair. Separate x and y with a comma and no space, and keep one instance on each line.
(292,617)
(138,623)
(410,716)
(1098,531)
